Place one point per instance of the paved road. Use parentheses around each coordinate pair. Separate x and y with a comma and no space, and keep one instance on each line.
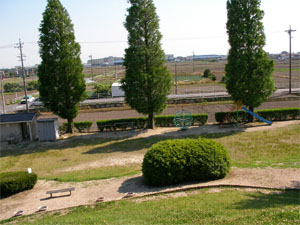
(18,107)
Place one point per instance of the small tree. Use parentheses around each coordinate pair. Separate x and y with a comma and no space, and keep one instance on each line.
(61,82)
(249,70)
(147,81)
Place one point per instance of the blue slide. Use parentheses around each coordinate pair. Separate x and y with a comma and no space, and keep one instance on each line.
(257,116)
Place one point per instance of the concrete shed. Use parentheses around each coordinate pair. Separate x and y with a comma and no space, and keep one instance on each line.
(18,126)
(48,129)
(116,90)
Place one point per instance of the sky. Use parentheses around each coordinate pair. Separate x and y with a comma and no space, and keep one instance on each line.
(187,26)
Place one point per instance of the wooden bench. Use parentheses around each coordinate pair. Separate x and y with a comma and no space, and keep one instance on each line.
(61,190)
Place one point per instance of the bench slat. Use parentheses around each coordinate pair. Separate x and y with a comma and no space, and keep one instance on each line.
(61,190)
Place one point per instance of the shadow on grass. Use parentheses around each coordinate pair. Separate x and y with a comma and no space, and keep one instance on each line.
(129,145)
(121,141)
(270,200)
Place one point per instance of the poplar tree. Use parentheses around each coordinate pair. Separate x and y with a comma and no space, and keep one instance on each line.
(147,81)
(249,70)
(61,81)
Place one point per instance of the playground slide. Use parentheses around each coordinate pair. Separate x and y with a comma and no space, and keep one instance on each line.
(257,116)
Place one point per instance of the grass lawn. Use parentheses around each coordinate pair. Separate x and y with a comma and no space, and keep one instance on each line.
(217,206)
(73,160)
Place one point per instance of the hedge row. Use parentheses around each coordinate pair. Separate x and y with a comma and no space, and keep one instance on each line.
(83,126)
(268,114)
(180,160)
(15,182)
(141,122)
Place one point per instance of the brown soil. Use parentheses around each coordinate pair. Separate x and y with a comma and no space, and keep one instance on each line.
(116,188)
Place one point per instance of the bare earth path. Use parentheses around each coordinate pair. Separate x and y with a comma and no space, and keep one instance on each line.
(114,189)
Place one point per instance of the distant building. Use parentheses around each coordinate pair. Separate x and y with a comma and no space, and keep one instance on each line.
(170,57)
(108,61)
(203,57)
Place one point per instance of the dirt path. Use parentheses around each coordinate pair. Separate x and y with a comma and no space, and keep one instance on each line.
(114,189)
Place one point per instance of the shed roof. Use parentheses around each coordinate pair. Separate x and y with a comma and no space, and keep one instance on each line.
(17,117)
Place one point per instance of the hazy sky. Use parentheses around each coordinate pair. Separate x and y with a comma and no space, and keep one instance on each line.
(187,26)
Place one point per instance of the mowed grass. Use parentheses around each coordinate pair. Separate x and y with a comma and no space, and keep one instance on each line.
(92,159)
(219,206)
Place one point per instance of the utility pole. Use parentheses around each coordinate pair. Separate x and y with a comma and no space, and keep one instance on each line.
(91,57)
(193,61)
(2,91)
(290,59)
(20,46)
(175,78)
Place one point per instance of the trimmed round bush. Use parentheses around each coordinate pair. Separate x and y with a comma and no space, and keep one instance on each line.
(15,182)
(181,160)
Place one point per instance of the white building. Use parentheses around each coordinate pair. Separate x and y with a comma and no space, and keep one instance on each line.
(116,90)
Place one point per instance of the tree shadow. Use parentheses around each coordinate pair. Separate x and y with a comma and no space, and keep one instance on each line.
(270,200)
(136,144)
(137,185)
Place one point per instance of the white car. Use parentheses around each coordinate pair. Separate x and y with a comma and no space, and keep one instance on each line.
(36,102)
(29,99)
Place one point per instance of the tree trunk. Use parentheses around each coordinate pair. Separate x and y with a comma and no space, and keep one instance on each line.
(150,121)
(250,117)
(69,129)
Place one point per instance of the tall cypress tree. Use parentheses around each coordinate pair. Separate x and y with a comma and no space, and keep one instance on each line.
(248,71)
(147,81)
(61,81)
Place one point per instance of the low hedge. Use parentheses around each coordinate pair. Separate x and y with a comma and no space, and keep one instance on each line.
(180,160)
(15,182)
(141,122)
(83,125)
(268,114)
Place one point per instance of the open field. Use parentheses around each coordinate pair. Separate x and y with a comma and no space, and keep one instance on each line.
(101,156)
(265,156)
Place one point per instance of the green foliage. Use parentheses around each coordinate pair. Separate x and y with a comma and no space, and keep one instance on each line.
(223,80)
(104,89)
(32,85)
(141,122)
(147,81)
(83,125)
(268,114)
(15,182)
(248,71)
(208,74)
(180,160)
(61,82)
(12,87)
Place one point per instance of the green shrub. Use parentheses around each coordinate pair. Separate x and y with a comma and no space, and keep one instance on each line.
(268,114)
(164,121)
(15,182)
(141,122)
(280,114)
(12,87)
(180,160)
(32,85)
(206,73)
(200,119)
(104,89)
(223,80)
(83,125)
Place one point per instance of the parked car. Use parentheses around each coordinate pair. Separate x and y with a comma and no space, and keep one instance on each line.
(29,99)
(37,102)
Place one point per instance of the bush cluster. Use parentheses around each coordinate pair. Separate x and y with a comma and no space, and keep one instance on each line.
(208,74)
(83,126)
(15,182)
(104,89)
(15,87)
(141,122)
(180,160)
(268,114)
